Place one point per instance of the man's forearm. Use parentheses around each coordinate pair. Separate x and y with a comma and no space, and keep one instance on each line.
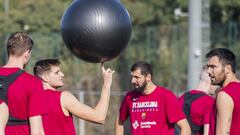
(103,103)
(36,125)
(184,126)
(185,131)
(119,128)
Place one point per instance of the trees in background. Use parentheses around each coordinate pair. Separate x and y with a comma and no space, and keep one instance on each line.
(157,37)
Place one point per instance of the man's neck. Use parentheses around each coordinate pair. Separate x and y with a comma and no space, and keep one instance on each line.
(229,79)
(14,62)
(204,87)
(149,88)
(46,86)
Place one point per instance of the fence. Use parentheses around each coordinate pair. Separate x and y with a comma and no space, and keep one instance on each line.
(164,46)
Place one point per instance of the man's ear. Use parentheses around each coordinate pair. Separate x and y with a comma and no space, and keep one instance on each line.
(228,69)
(45,78)
(149,77)
(27,55)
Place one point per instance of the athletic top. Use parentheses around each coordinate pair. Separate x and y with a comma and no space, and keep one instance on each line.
(200,108)
(233,90)
(25,96)
(55,122)
(153,114)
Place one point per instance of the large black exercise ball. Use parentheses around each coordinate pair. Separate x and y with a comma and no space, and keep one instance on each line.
(96,30)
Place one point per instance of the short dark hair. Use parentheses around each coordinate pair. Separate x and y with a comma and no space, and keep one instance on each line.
(143,66)
(226,56)
(44,65)
(18,43)
(202,74)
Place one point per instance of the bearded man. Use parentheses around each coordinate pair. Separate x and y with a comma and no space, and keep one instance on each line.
(153,110)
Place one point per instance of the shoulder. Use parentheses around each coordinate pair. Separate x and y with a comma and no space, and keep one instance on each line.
(67,99)
(3,107)
(165,94)
(208,98)
(223,98)
(206,101)
(131,93)
(164,91)
(224,102)
(232,89)
(66,95)
(52,92)
(29,77)
(204,96)
(231,86)
(222,94)
(181,97)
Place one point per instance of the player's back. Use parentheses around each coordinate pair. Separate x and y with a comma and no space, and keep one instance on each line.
(24,100)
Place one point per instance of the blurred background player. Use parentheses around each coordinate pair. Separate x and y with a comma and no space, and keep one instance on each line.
(197,104)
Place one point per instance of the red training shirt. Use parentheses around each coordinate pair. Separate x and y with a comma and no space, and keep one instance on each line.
(200,108)
(25,99)
(153,114)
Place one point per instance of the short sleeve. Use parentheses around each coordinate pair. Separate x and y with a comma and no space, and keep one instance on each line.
(173,108)
(124,110)
(37,99)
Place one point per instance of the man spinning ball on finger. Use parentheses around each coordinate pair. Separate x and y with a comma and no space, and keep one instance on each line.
(62,104)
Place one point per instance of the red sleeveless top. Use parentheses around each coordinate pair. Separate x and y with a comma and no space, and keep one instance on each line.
(233,90)
(55,122)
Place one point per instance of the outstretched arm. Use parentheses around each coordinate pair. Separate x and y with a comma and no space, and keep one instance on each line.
(97,114)
(224,113)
